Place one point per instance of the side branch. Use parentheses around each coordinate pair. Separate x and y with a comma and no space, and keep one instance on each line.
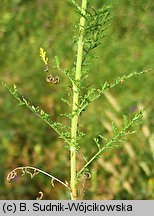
(26,169)
(126,129)
(38,112)
(94,94)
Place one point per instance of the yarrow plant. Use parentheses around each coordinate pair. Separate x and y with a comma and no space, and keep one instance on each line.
(89,33)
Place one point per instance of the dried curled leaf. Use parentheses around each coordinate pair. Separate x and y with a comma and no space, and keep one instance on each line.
(32,171)
(11,175)
(23,171)
(51,79)
(52,182)
(40,197)
(84,177)
(87,175)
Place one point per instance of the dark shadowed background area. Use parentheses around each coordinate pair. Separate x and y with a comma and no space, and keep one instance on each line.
(123,173)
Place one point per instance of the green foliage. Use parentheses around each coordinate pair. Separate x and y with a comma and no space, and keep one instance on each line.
(119,136)
(40,113)
(94,94)
(25,140)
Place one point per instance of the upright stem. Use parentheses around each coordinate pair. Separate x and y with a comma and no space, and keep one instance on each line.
(74,123)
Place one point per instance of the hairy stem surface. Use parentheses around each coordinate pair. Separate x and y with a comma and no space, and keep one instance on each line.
(76,90)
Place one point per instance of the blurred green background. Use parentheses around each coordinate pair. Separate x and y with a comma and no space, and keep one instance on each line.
(123,173)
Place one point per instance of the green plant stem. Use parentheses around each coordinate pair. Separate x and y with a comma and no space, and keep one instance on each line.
(74,123)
